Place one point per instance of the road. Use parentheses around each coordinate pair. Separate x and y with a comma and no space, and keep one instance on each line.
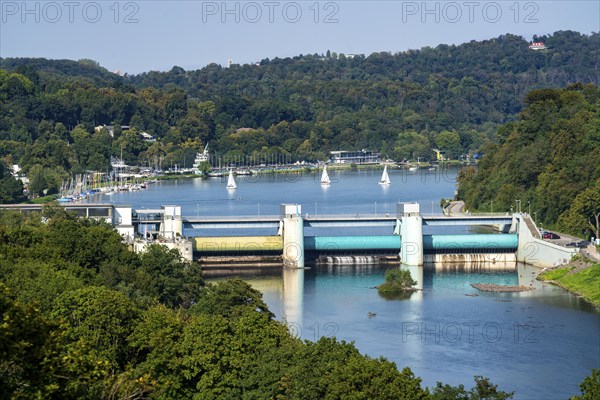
(590,251)
(456,207)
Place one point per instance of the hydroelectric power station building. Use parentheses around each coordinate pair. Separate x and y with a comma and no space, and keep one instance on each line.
(355,157)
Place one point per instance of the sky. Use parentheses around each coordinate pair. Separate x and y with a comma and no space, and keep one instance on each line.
(144,35)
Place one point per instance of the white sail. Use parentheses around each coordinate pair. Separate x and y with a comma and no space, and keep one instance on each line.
(325,177)
(231,181)
(385,178)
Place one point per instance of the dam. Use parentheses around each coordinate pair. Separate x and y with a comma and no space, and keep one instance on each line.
(291,238)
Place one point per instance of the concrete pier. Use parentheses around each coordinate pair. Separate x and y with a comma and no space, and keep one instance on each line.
(411,231)
(293,235)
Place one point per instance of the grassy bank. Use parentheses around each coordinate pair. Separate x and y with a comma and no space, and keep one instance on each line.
(581,276)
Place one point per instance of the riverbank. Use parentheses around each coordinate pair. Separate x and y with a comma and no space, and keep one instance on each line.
(581,277)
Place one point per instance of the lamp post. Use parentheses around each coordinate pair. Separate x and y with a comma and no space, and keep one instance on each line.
(492,206)
(529,207)
(315,209)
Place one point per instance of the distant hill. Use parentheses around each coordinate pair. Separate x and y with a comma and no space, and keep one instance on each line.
(487,79)
(367,101)
(84,69)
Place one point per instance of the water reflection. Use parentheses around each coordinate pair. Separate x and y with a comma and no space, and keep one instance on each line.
(292,295)
(417,274)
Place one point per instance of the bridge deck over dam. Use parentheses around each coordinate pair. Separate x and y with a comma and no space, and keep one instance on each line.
(314,221)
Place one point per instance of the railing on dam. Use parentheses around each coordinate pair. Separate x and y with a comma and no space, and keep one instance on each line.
(321,221)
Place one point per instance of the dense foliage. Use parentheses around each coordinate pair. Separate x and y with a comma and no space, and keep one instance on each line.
(590,387)
(404,104)
(548,160)
(11,189)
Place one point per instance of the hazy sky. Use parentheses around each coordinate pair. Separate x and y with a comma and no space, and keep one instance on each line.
(137,36)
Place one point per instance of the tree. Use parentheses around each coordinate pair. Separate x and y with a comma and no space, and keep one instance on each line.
(173,281)
(36,363)
(229,298)
(11,189)
(584,212)
(483,390)
(397,281)
(590,387)
(449,142)
(328,369)
(411,144)
(546,158)
(204,167)
(99,316)
(37,180)
(37,282)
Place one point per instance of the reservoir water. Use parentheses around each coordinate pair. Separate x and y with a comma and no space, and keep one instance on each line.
(540,343)
(350,192)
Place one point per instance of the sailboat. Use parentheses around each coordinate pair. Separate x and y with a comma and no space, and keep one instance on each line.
(325,177)
(231,181)
(385,178)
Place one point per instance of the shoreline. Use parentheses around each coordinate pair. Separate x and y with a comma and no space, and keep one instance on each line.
(580,277)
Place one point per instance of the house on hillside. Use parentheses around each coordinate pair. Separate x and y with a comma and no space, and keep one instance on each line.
(110,129)
(148,137)
(537,46)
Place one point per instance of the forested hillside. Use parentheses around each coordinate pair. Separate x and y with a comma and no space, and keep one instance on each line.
(548,159)
(448,97)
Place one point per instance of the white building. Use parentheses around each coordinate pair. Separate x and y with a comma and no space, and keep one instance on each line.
(355,157)
(537,46)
